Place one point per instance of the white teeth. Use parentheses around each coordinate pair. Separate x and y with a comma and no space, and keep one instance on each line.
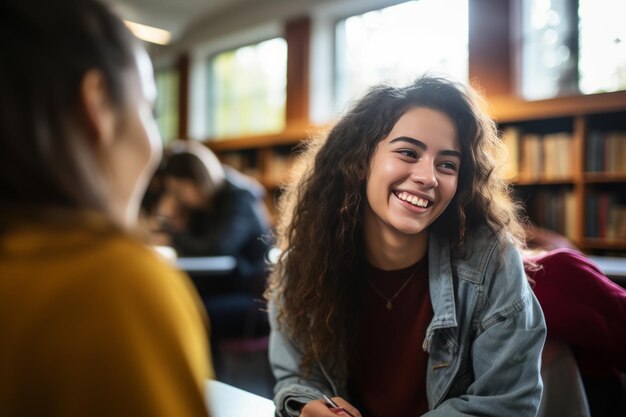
(415,200)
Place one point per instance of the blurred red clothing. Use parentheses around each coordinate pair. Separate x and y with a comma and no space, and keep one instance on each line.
(584,309)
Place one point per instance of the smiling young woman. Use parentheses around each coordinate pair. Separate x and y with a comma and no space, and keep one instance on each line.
(400,289)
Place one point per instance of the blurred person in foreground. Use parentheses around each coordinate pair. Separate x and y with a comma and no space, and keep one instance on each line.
(93,321)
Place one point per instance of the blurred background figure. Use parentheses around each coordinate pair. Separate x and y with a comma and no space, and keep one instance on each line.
(209,209)
(93,321)
(585,312)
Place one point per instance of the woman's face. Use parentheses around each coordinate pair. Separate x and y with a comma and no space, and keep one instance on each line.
(185,192)
(137,147)
(412,176)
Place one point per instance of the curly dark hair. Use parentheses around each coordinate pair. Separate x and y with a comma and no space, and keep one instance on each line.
(315,284)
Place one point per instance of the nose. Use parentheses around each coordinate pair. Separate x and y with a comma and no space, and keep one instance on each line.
(424,173)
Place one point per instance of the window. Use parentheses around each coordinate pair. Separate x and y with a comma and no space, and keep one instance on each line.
(166,106)
(247,90)
(602,45)
(398,43)
(572,47)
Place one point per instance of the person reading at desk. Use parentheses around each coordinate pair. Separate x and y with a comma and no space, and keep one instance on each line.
(93,322)
(208,209)
(401,290)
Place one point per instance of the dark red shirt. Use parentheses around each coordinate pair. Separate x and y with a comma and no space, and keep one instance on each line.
(388,375)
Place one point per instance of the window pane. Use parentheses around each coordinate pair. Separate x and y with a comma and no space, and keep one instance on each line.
(247,89)
(166,106)
(397,44)
(602,45)
(572,47)
(549,48)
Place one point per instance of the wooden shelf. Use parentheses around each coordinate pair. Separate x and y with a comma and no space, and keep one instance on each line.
(292,135)
(604,177)
(510,109)
(596,243)
(542,181)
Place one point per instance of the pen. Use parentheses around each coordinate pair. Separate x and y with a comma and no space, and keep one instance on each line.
(334,406)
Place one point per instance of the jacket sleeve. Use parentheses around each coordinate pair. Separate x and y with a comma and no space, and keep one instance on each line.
(292,390)
(506,348)
(247,221)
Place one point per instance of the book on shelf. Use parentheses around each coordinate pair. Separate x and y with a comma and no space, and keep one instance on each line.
(510,138)
(557,156)
(546,157)
(279,167)
(605,216)
(241,162)
(530,158)
(555,210)
(606,151)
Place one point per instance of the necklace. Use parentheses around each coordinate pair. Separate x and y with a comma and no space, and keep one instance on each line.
(389,304)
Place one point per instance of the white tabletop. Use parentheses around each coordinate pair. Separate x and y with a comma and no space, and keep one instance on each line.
(613,267)
(228,401)
(207,264)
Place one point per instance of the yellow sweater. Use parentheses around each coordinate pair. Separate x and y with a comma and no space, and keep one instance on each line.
(93,323)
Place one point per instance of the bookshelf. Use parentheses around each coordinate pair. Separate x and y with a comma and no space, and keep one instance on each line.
(568,165)
(267,158)
(564,185)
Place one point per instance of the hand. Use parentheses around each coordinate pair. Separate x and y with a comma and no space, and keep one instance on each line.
(173,216)
(318,408)
(160,239)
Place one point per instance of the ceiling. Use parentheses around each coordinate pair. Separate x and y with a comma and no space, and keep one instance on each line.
(172,15)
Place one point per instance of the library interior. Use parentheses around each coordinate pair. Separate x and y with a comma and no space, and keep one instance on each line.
(243,86)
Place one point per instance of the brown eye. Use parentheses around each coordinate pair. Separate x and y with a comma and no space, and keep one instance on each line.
(408,152)
(448,165)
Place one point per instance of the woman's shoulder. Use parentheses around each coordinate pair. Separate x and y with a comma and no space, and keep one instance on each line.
(91,279)
(126,264)
(243,186)
(485,255)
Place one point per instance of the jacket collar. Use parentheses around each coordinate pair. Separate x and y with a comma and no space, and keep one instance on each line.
(441,284)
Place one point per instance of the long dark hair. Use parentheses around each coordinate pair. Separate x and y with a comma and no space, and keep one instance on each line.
(316,278)
(47,48)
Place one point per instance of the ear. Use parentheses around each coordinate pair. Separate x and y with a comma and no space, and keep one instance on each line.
(97,109)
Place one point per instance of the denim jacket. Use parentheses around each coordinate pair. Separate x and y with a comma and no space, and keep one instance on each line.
(484,341)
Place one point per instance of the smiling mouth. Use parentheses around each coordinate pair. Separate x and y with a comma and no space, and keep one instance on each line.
(413,199)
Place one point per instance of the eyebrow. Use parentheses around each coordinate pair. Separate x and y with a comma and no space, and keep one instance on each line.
(422,145)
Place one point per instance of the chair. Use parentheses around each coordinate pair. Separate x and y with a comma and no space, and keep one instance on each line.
(563,389)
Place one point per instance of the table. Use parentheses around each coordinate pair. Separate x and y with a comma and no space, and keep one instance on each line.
(612,267)
(207,265)
(228,401)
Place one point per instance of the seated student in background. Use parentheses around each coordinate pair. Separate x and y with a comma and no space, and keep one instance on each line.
(207,209)
(92,321)
(400,290)
(586,311)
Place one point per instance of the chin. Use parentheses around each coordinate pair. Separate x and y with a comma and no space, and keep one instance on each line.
(411,229)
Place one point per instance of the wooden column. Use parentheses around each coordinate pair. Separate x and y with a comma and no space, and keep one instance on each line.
(490,57)
(182,67)
(298,36)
